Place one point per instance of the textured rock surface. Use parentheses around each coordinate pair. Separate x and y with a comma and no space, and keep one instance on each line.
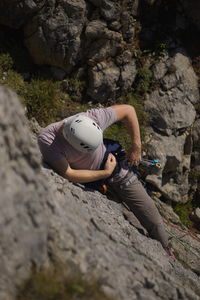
(175,166)
(23,219)
(45,218)
(172,114)
(53,35)
(171,106)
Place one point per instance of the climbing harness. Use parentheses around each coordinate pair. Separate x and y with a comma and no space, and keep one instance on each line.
(145,166)
(116,149)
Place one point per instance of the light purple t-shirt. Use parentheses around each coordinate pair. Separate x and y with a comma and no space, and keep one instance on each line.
(54,146)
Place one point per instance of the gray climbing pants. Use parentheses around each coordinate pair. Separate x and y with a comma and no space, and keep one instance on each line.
(130,191)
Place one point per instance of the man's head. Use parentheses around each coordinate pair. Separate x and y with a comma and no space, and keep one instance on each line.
(83,133)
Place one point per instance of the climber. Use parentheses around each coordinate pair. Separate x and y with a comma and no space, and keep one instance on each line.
(75,149)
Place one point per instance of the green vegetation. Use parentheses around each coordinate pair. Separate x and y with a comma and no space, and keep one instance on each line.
(143,80)
(55,285)
(183,210)
(161,49)
(6,62)
(44,99)
(75,88)
(13,80)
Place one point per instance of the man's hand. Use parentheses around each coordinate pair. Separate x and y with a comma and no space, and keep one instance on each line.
(134,155)
(110,164)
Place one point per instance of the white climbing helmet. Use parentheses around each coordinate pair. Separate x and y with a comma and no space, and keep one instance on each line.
(83,133)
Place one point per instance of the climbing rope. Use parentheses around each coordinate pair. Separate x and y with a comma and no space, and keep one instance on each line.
(181,230)
(185,244)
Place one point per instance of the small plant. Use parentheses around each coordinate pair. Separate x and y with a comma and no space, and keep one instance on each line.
(55,285)
(183,210)
(161,49)
(6,62)
(75,88)
(13,80)
(143,80)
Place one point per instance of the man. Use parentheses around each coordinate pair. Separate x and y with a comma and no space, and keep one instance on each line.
(74,148)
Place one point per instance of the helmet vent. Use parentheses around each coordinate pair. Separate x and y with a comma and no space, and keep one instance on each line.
(78,121)
(84,146)
(96,126)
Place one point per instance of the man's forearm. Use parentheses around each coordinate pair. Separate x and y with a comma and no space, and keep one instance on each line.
(127,114)
(84,176)
(131,122)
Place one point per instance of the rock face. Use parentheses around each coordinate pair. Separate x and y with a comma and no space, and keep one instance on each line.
(172,114)
(23,189)
(53,35)
(45,218)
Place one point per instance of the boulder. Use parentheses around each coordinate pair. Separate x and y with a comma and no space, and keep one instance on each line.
(171,106)
(172,178)
(103,80)
(170,112)
(53,35)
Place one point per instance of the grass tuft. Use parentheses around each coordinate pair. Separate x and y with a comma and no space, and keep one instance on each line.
(183,210)
(55,285)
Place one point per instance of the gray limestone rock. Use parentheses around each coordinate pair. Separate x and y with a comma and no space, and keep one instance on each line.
(172,178)
(170,112)
(103,81)
(53,35)
(171,107)
(23,230)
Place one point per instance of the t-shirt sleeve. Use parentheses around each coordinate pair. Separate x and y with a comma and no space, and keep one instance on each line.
(104,117)
(50,153)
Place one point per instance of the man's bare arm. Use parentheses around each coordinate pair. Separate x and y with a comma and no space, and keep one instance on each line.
(83,176)
(127,114)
